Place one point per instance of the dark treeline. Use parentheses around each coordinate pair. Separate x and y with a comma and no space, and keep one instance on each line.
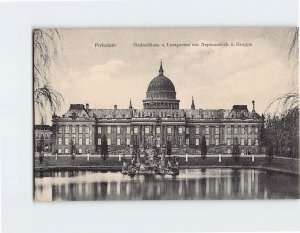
(281,134)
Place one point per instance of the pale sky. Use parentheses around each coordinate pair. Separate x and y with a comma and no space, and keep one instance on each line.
(217,77)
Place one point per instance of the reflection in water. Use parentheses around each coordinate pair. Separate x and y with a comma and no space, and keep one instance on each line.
(189,184)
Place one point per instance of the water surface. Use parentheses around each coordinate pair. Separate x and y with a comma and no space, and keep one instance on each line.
(190,184)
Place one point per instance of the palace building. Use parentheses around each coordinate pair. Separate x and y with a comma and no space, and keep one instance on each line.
(160,121)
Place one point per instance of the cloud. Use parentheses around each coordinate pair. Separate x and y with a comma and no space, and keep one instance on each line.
(111,69)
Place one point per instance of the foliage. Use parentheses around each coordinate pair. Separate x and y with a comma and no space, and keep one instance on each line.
(44,45)
(104,147)
(282,133)
(203,148)
(236,151)
(169,147)
(73,149)
(41,144)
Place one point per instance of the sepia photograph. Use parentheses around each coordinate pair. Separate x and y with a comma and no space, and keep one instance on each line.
(165,113)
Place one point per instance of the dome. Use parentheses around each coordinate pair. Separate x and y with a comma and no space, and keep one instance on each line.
(161,93)
(161,87)
(161,83)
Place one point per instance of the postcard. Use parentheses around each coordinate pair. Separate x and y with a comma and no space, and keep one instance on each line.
(183,113)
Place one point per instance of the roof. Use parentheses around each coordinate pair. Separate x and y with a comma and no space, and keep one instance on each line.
(42,127)
(188,113)
(235,113)
(110,113)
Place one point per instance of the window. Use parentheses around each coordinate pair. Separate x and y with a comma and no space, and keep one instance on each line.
(217,141)
(249,129)
(256,142)
(109,141)
(235,130)
(147,129)
(197,130)
(66,151)
(80,151)
(249,141)
(118,129)
(206,129)
(197,141)
(99,129)
(207,141)
(243,130)
(128,141)
(87,129)
(169,130)
(59,151)
(74,139)
(87,141)
(157,129)
(66,129)
(118,141)
(59,129)
(217,130)
(242,141)
(180,130)
(80,129)
(66,141)
(80,141)
(256,130)
(128,130)
(187,130)
(59,141)
(187,141)
(73,129)
(228,141)
(99,141)
(229,130)
(108,129)
(136,129)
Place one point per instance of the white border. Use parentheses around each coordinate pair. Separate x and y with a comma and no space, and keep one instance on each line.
(20,214)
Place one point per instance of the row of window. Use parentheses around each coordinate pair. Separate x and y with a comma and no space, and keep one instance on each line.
(73,129)
(118,141)
(169,130)
(229,142)
(88,141)
(249,130)
(45,136)
(80,141)
(180,130)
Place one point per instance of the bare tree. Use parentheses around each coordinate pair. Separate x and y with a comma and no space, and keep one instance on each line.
(45,97)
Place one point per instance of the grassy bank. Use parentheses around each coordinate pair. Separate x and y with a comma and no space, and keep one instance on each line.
(113,163)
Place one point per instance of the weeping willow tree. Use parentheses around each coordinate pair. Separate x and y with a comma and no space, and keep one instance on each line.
(45,97)
(282,126)
(290,99)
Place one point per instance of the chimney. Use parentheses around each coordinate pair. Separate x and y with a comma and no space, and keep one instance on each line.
(253,103)
(87,106)
(115,107)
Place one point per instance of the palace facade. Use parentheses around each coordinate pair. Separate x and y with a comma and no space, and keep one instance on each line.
(161,120)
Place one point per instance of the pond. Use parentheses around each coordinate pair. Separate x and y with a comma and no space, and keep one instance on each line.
(190,184)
